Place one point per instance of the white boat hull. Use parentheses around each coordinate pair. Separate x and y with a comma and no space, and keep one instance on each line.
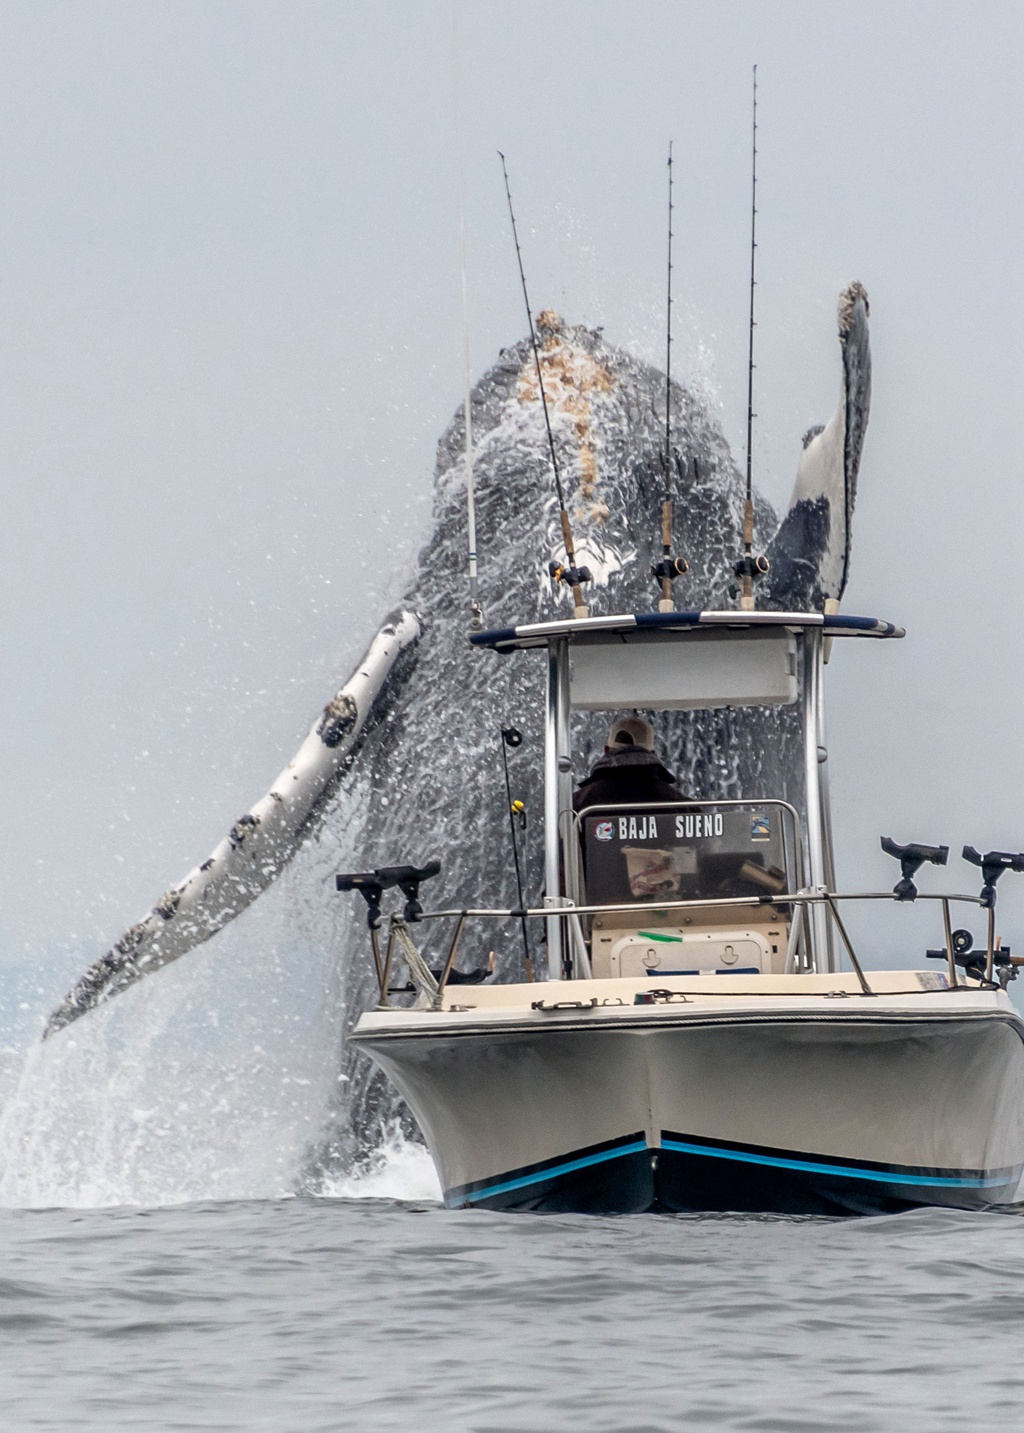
(809,1105)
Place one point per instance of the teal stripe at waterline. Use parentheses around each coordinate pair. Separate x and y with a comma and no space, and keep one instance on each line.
(845,1171)
(553,1171)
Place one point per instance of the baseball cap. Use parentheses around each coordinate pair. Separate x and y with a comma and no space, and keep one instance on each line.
(632,731)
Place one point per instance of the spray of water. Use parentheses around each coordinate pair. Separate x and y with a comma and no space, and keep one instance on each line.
(226,1075)
(398,1168)
(209,1082)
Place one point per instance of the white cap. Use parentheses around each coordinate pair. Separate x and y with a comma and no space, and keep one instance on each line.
(632,731)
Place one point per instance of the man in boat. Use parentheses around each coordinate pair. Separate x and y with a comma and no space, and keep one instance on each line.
(630,773)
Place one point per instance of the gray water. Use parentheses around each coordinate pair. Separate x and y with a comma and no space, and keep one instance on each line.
(309,1315)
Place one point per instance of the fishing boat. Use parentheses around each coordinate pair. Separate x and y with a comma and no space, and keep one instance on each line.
(696,1031)
(707,1037)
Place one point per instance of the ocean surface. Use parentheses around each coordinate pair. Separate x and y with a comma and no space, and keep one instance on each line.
(378,1309)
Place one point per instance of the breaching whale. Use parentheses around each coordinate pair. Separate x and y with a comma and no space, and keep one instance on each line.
(405,756)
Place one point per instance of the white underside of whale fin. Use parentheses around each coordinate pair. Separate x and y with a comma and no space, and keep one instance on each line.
(828,467)
(258,846)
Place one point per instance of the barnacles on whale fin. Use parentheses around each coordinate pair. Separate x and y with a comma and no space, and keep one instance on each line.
(167,906)
(848,303)
(340,716)
(242,828)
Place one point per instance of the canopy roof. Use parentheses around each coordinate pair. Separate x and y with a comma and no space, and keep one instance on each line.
(538,634)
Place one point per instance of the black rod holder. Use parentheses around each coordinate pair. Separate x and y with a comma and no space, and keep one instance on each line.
(993,864)
(371,885)
(911,858)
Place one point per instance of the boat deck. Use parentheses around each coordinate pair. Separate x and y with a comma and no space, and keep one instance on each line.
(639,1000)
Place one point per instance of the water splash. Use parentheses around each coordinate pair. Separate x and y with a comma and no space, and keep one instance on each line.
(211,1082)
(399,1168)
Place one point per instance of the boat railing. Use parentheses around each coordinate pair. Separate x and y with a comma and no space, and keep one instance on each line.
(432,985)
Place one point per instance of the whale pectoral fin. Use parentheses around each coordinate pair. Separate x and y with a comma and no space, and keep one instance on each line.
(810,553)
(259,845)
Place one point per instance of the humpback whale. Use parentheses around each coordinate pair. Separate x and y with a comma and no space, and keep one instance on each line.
(403,764)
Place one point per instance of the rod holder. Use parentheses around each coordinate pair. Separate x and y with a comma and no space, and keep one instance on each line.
(911,858)
(371,885)
(993,864)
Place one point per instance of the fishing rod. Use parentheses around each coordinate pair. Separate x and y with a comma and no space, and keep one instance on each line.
(668,326)
(511,737)
(570,574)
(669,567)
(476,612)
(749,568)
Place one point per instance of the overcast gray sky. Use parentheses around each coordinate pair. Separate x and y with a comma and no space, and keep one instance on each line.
(230,338)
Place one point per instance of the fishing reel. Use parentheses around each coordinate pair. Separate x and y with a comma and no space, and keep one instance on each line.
(974,962)
(747,569)
(670,568)
(513,738)
(964,953)
(666,571)
(911,858)
(750,567)
(571,576)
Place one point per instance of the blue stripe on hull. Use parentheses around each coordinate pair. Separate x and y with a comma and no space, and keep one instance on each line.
(901,1177)
(581,1178)
(556,1171)
(689,1173)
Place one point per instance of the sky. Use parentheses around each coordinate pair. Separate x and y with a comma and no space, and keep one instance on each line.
(231,335)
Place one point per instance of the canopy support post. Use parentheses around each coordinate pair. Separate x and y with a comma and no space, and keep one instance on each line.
(815,798)
(556,718)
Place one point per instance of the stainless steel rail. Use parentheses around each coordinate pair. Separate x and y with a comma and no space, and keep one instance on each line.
(743,902)
(571,913)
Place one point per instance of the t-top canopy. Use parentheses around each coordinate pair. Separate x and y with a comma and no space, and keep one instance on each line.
(538,634)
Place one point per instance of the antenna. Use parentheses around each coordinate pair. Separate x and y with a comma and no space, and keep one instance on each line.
(752,325)
(669,566)
(749,568)
(476,613)
(572,575)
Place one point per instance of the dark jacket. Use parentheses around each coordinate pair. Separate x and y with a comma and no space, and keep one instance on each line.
(627,778)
